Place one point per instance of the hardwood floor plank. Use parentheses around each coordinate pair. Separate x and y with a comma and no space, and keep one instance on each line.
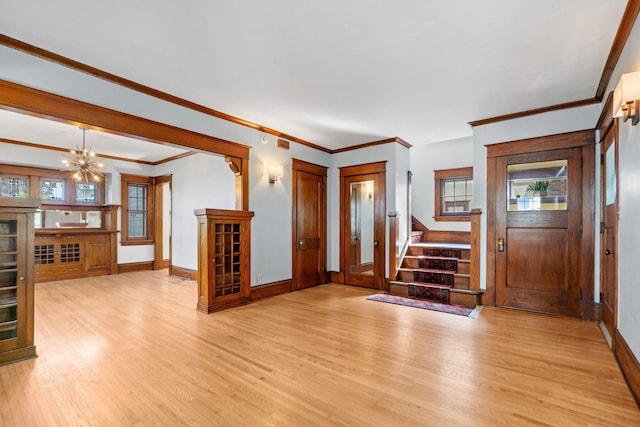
(131,349)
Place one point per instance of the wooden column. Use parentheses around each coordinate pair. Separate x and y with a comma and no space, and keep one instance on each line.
(474,281)
(393,245)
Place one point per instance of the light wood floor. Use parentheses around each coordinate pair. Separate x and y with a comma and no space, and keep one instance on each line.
(131,350)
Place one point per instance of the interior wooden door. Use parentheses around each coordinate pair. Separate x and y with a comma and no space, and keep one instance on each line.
(309,228)
(363,225)
(609,233)
(538,208)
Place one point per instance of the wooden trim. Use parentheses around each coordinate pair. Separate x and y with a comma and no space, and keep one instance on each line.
(628,363)
(337,277)
(375,167)
(78,66)
(100,155)
(512,116)
(490,285)
(158,213)
(475,241)
(605,121)
(174,270)
(442,175)
(542,143)
(393,249)
(373,143)
(172,158)
(588,235)
(135,266)
(624,30)
(269,290)
(15,97)
(298,165)
(64,150)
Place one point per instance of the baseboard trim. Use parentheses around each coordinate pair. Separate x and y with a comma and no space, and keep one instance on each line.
(337,277)
(269,290)
(590,310)
(135,266)
(174,270)
(628,363)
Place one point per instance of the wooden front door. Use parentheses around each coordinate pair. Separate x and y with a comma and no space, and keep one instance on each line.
(609,232)
(538,208)
(309,224)
(363,224)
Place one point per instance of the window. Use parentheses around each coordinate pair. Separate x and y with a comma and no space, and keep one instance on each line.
(53,190)
(86,193)
(52,187)
(453,194)
(137,210)
(15,187)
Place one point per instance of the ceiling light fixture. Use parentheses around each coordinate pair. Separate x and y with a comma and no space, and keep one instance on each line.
(626,98)
(83,163)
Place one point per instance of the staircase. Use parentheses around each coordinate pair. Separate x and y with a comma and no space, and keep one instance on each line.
(438,272)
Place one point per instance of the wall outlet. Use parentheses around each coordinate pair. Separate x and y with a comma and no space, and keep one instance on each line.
(258,279)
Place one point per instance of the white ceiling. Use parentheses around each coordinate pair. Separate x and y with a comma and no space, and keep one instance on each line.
(335,72)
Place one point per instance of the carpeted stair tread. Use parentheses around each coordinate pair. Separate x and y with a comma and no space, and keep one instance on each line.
(427,270)
(436,245)
(423,284)
(433,257)
(431,285)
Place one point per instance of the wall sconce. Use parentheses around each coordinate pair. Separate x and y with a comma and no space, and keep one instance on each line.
(273,172)
(626,98)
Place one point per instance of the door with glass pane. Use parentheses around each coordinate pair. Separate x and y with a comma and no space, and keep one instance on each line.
(609,233)
(538,231)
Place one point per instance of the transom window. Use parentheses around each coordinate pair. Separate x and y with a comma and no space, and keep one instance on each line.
(53,190)
(453,194)
(15,187)
(86,193)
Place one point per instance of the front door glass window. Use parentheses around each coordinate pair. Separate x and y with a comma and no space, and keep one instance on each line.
(537,186)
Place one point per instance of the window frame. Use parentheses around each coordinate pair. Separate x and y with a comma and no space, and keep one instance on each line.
(148,182)
(441,176)
(35,176)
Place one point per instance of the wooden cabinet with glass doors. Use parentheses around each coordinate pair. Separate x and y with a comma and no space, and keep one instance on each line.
(16,279)
(223,259)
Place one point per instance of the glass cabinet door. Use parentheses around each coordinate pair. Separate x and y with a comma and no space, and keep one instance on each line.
(8,279)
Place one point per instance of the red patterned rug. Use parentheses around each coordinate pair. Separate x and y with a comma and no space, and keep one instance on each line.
(428,305)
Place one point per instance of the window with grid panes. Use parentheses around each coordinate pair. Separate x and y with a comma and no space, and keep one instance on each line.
(453,194)
(15,187)
(53,190)
(137,210)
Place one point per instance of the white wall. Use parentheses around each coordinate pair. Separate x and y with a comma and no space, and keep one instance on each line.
(426,158)
(198,181)
(403,166)
(629,205)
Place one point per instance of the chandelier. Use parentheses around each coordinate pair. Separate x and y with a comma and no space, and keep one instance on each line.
(83,163)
